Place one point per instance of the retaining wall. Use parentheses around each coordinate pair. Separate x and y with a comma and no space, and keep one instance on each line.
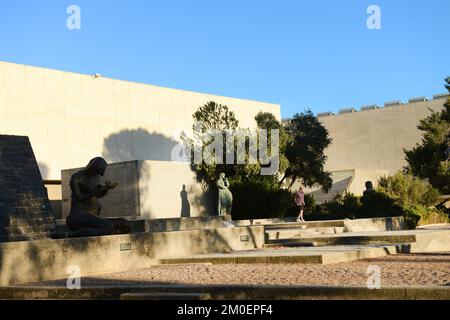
(32,261)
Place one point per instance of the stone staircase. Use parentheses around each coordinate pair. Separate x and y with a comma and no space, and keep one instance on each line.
(285,234)
(299,234)
(324,233)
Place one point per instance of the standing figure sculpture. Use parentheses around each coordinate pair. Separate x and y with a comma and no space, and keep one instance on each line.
(87,187)
(225,202)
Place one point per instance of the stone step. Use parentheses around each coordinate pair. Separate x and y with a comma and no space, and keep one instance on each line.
(306,225)
(276,234)
(164,296)
(342,239)
(324,255)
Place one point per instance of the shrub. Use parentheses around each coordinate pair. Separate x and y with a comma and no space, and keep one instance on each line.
(343,206)
(375,204)
(378,204)
(258,200)
(408,191)
(426,216)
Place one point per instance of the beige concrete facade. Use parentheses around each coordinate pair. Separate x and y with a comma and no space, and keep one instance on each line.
(352,181)
(73,117)
(374,139)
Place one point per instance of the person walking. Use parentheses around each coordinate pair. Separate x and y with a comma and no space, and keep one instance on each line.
(300,202)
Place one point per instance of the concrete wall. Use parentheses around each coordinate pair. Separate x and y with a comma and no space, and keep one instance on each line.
(150,190)
(182,224)
(352,180)
(71,117)
(357,185)
(120,202)
(375,224)
(54,195)
(374,139)
(32,261)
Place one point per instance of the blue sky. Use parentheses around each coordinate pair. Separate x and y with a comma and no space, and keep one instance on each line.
(316,54)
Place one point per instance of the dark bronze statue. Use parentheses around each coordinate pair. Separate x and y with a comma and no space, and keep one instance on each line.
(369,189)
(87,187)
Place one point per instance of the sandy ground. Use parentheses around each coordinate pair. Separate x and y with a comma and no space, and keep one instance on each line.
(417,269)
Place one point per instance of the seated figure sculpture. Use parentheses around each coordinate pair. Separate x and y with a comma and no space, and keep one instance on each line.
(87,187)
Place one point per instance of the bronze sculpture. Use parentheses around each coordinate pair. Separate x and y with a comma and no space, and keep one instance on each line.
(225,201)
(369,188)
(87,187)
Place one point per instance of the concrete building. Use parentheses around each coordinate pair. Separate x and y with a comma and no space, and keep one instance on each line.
(71,118)
(370,143)
(374,138)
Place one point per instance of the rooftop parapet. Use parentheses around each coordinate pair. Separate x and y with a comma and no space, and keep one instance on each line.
(370,107)
(347,110)
(325,114)
(393,103)
(418,99)
(441,96)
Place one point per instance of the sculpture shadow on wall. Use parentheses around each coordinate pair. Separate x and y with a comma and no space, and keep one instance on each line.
(43,169)
(206,201)
(139,144)
(185,205)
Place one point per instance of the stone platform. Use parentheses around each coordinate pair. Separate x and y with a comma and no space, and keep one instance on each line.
(332,248)
(269,241)
(31,261)
(322,255)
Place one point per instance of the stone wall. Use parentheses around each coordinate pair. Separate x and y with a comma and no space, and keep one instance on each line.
(25,212)
(32,261)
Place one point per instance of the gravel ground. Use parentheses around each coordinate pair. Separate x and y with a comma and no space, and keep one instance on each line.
(413,269)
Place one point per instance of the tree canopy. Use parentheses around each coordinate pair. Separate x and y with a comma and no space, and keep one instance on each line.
(305,152)
(428,160)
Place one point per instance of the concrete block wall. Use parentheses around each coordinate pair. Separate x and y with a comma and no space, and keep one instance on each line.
(374,138)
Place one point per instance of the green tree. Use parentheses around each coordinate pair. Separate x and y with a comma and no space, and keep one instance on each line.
(428,160)
(305,152)
(266,120)
(214,116)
